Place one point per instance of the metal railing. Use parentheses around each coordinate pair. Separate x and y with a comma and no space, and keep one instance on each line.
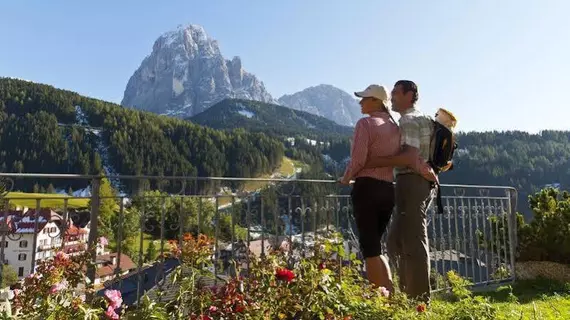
(476,235)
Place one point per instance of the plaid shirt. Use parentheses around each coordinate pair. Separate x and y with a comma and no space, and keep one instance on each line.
(416,130)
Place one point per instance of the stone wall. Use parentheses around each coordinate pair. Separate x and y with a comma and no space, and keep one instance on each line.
(542,269)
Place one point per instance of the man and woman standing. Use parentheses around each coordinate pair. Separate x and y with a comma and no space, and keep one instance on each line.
(381,153)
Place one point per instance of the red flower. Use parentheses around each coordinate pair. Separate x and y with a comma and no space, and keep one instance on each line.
(239,308)
(322,266)
(421,308)
(284,274)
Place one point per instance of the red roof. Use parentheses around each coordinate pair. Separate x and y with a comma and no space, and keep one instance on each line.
(47,213)
(72,230)
(108,267)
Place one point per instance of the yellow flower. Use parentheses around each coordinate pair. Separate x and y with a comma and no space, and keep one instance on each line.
(282,316)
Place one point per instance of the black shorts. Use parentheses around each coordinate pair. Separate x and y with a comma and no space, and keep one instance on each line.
(372,205)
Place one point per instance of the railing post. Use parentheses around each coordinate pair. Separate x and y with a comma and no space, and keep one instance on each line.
(512,225)
(93,233)
(36,231)
(4,232)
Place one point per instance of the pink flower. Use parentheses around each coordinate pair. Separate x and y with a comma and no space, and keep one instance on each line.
(213,309)
(111,314)
(114,298)
(384,292)
(58,287)
(103,241)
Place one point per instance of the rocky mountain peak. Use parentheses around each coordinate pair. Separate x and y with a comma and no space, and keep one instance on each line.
(187,73)
(327,101)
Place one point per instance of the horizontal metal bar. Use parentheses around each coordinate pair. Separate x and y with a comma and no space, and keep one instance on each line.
(474,197)
(134,177)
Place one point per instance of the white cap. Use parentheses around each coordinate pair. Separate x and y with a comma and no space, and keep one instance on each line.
(375,91)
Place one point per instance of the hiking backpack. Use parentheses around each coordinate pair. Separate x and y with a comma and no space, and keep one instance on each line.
(442,148)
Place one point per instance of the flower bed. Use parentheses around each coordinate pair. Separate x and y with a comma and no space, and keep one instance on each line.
(274,287)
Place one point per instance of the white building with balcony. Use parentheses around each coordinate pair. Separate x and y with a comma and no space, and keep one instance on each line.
(48,232)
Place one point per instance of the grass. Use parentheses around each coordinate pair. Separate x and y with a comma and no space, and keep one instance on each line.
(536,299)
(23,199)
(287,168)
(299,164)
(528,299)
(146,240)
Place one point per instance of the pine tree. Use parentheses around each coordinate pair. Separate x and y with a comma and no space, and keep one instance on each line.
(150,252)
(108,209)
(9,276)
(50,189)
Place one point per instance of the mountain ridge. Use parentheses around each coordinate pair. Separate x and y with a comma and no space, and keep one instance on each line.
(325,100)
(268,118)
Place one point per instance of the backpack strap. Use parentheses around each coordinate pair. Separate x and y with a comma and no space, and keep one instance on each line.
(438,201)
(392,118)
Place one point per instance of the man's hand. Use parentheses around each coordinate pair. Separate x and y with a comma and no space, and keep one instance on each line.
(430,175)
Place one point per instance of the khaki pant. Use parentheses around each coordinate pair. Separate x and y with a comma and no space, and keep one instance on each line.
(407,240)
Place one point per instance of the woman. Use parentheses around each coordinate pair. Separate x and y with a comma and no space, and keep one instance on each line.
(373,191)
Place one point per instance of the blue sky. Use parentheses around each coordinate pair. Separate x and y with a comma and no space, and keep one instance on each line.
(499,65)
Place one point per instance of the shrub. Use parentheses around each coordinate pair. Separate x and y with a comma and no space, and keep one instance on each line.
(547,236)
(322,286)
(51,292)
(326,285)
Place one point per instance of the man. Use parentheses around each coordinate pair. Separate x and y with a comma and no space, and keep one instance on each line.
(407,237)
(373,191)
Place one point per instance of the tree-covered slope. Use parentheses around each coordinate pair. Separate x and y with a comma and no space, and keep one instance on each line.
(270,119)
(48,130)
(522,160)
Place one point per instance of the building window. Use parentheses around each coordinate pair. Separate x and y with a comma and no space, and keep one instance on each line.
(5,244)
(22,256)
(24,244)
(20,271)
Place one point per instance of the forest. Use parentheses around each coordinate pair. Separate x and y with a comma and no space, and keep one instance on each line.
(47,130)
